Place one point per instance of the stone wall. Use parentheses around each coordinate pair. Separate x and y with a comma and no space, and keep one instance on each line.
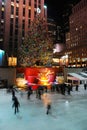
(8,74)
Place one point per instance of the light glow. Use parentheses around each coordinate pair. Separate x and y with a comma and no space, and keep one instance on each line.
(1,56)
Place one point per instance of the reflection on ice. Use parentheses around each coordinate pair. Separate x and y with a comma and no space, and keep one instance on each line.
(67,102)
(68,112)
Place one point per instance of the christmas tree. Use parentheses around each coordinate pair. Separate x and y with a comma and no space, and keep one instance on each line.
(37,48)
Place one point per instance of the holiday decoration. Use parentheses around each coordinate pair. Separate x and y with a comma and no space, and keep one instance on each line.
(37,48)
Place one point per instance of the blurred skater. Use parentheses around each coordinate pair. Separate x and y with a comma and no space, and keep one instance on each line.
(46,98)
(85,86)
(13,94)
(48,108)
(16,105)
(28,94)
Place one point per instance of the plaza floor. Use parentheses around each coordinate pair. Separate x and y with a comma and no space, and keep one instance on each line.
(69,112)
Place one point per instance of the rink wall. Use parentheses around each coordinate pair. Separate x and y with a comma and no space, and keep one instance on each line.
(71,70)
(8,75)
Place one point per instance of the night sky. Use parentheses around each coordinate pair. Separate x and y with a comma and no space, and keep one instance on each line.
(56,8)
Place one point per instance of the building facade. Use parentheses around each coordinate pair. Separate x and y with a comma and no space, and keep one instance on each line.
(15,19)
(78,35)
(52,27)
(76,38)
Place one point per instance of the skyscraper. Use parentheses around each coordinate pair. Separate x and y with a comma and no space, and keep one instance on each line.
(15,19)
(76,38)
(78,34)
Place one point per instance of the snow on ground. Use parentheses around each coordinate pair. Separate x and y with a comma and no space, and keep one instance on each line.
(69,112)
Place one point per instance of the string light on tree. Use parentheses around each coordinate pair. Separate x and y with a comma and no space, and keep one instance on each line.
(37,48)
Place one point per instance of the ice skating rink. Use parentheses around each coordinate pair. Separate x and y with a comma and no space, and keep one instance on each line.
(69,112)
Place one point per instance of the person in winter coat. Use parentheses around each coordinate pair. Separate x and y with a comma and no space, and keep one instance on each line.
(16,105)
(48,108)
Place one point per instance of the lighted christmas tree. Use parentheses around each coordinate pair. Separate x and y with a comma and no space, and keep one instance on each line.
(37,48)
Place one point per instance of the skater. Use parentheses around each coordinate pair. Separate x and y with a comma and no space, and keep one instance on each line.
(39,93)
(28,94)
(13,94)
(77,87)
(48,108)
(85,86)
(68,89)
(47,102)
(13,89)
(16,105)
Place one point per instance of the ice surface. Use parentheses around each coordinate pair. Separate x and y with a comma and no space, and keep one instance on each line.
(69,112)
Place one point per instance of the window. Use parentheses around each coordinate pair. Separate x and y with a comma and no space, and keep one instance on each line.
(16,22)
(17,1)
(29,13)
(39,1)
(35,13)
(11,29)
(11,21)
(17,11)
(23,33)
(2,15)
(16,31)
(29,22)
(10,43)
(29,2)
(23,11)
(23,24)
(39,6)
(2,8)
(12,9)
(15,45)
(24,2)
(35,5)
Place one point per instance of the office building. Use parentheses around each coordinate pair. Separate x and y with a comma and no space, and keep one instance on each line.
(78,35)
(15,19)
(76,38)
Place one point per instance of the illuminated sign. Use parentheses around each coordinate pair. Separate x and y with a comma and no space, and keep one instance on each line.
(1,57)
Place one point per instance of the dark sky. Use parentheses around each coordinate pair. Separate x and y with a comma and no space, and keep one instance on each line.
(56,8)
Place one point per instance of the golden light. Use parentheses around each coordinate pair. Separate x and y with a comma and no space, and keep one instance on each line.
(12,61)
(44,76)
(21,82)
(60,79)
(44,81)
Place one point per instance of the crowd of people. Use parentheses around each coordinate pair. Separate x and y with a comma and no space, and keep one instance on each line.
(43,94)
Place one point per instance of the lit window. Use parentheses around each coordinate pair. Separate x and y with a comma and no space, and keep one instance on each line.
(2,21)
(80,27)
(2,8)
(12,3)
(3,3)
(1,40)
(12,16)
(76,29)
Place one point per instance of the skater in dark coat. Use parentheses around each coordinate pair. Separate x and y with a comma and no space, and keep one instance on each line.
(13,94)
(16,105)
(48,108)
(28,94)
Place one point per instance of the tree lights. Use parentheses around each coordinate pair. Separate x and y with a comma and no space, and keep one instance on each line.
(37,48)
